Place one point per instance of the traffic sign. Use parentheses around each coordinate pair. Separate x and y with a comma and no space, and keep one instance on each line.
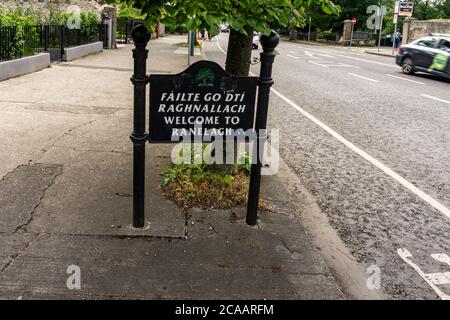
(354,20)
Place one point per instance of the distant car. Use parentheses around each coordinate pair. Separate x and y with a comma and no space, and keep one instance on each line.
(428,54)
(255,44)
(224,28)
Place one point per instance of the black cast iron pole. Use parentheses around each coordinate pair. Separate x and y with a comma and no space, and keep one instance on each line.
(269,44)
(141,36)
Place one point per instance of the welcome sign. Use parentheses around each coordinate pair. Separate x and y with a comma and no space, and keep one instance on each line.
(202,102)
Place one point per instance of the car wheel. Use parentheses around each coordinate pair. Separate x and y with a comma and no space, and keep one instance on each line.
(408,66)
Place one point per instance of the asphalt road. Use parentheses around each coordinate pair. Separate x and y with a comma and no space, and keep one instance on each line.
(373,147)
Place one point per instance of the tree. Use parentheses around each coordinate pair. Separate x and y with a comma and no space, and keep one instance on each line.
(243,16)
(431,9)
(444,9)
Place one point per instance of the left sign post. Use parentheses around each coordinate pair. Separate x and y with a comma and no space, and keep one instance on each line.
(141,37)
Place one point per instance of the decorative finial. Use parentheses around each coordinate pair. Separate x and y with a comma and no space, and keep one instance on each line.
(270,42)
(140,34)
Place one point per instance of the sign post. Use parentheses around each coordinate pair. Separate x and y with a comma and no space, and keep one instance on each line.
(140,36)
(309,30)
(353,28)
(267,57)
(396,10)
(382,13)
(201,104)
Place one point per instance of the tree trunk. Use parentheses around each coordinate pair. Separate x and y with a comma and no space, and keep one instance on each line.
(239,52)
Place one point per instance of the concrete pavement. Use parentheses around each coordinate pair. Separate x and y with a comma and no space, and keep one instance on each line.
(65,185)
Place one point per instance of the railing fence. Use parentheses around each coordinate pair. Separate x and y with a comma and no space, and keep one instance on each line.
(21,41)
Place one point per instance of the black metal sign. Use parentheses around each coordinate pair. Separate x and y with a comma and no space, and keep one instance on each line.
(202,102)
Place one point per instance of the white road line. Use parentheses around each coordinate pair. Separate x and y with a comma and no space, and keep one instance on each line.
(406,256)
(318,64)
(291,56)
(401,78)
(434,98)
(362,77)
(359,59)
(405,183)
(220,48)
(325,55)
(408,185)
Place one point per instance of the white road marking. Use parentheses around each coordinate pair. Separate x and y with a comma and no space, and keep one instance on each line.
(432,279)
(326,64)
(408,185)
(347,65)
(318,64)
(401,78)
(405,183)
(291,56)
(325,55)
(362,77)
(220,48)
(434,98)
(359,59)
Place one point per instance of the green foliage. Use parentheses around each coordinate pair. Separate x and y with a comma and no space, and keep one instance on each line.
(89,26)
(24,37)
(245,162)
(423,10)
(262,15)
(431,9)
(18,17)
(129,12)
(191,182)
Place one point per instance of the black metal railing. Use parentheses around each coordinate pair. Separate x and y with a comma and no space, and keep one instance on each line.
(124,27)
(18,41)
(21,41)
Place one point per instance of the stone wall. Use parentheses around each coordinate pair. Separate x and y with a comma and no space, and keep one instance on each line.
(414,29)
(85,5)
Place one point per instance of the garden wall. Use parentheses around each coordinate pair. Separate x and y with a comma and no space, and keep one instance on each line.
(18,67)
(414,29)
(81,51)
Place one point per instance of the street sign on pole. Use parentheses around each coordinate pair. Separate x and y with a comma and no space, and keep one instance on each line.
(201,103)
(395,20)
(396,7)
(353,28)
(309,31)
(381,14)
(405,9)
